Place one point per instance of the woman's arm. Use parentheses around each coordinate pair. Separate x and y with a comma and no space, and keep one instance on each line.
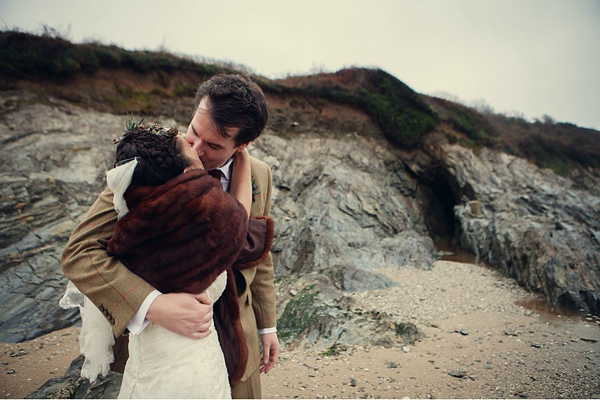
(241,181)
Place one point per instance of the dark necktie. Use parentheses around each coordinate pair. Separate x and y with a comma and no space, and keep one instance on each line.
(216,173)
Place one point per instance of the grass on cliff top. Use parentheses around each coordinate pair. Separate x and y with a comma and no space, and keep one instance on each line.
(24,55)
(399,111)
(466,120)
(403,115)
(558,146)
(561,147)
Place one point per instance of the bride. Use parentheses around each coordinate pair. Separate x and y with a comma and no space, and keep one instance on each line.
(180,231)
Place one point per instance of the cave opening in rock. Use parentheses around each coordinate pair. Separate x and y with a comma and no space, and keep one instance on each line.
(438,198)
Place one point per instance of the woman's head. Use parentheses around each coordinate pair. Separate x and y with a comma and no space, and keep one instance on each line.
(161,154)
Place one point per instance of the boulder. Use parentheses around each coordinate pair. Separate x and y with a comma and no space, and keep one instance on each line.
(72,386)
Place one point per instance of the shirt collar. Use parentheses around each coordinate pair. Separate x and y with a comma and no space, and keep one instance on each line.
(226,169)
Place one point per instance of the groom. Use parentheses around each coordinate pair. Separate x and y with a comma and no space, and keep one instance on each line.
(230,112)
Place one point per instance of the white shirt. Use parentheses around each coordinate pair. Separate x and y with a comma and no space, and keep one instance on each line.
(139,321)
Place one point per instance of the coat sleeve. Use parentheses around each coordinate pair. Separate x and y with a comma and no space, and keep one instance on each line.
(115,290)
(258,242)
(263,285)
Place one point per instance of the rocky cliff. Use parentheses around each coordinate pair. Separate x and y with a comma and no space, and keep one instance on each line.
(346,202)
(533,225)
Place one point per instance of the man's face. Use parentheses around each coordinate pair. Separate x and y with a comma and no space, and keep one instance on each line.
(213,149)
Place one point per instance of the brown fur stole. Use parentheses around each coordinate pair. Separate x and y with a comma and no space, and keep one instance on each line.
(181,235)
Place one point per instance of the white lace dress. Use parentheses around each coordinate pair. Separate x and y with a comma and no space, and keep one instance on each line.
(163,364)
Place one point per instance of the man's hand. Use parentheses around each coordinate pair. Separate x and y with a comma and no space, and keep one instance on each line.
(270,354)
(183,313)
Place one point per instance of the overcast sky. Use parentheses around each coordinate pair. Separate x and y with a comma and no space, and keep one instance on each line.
(529,57)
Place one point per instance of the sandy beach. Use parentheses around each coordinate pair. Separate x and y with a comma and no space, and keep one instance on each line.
(485,337)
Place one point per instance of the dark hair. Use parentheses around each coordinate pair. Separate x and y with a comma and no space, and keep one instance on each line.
(234,102)
(160,156)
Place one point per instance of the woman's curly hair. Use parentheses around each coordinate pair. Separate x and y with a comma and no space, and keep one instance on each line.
(160,157)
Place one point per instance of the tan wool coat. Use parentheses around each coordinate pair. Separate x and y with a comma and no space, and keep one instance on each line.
(118,293)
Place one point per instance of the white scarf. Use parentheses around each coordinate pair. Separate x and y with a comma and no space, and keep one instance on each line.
(118,180)
(96,337)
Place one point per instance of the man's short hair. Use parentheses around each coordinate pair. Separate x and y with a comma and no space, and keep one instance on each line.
(234,102)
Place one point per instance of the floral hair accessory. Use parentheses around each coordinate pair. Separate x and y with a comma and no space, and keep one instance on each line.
(132,126)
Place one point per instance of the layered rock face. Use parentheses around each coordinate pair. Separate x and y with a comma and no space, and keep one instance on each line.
(533,225)
(345,202)
(53,158)
(349,198)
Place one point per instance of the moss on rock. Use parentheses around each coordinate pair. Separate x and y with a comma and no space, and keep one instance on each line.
(301,315)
